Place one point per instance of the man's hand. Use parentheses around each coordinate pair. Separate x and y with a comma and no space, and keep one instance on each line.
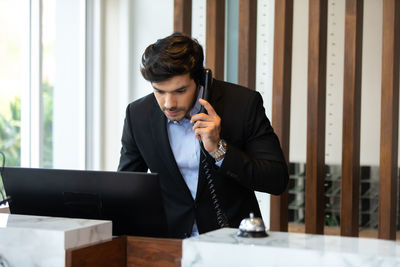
(207,128)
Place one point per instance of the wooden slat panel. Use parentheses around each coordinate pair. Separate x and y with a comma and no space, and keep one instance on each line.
(215,37)
(146,251)
(247,43)
(315,167)
(183,16)
(282,78)
(389,120)
(349,206)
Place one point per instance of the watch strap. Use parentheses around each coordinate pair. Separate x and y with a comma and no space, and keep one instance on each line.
(221,151)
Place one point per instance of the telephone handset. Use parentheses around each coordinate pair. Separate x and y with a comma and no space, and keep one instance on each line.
(206,82)
(221,217)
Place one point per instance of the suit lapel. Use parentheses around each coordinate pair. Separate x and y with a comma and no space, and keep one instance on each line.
(160,135)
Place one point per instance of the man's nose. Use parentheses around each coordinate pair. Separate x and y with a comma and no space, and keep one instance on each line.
(170,101)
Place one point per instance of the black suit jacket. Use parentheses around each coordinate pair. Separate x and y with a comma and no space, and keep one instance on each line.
(254,160)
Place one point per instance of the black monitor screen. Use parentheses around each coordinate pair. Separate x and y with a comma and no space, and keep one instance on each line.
(131,200)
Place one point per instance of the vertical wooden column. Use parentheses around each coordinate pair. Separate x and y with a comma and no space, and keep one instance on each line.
(215,37)
(282,78)
(183,16)
(247,43)
(349,205)
(315,167)
(389,120)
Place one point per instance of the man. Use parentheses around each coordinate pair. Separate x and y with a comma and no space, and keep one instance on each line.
(207,184)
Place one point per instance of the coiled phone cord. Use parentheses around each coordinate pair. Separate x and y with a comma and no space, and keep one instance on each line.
(221,217)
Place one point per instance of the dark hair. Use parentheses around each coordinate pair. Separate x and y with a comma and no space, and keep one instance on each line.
(173,55)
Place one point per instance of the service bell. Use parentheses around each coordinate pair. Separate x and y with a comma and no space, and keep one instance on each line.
(252,227)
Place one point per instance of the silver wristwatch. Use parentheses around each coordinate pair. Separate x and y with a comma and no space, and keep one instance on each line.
(220,153)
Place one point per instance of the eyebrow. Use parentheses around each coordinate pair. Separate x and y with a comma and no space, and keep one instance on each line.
(177,89)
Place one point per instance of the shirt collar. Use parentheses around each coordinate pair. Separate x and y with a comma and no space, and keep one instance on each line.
(196,108)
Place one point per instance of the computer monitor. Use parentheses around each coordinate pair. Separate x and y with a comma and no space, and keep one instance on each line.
(131,200)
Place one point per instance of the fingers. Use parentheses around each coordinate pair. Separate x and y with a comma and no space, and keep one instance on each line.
(200,117)
(209,137)
(204,134)
(207,127)
(203,124)
(205,121)
(198,137)
(208,107)
(208,132)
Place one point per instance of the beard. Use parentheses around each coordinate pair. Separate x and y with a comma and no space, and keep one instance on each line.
(175,113)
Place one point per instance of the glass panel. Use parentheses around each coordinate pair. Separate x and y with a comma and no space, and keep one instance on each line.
(48,78)
(232,39)
(13,46)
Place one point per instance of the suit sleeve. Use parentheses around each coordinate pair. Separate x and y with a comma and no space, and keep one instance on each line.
(260,164)
(131,158)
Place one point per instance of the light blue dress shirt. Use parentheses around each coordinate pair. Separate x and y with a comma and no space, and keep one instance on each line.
(186,150)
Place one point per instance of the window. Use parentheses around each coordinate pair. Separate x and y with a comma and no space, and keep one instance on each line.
(42,83)
(48,78)
(14,48)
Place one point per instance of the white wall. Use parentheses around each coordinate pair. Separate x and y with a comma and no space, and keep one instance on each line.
(199,22)
(69,88)
(130,26)
(371,83)
(298,110)
(151,20)
(265,55)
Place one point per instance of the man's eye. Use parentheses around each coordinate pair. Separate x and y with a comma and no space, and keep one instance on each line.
(181,91)
(159,92)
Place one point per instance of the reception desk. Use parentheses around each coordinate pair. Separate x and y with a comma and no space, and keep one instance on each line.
(45,241)
(224,248)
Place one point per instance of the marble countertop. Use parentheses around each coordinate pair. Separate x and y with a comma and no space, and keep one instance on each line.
(74,232)
(322,243)
(42,241)
(45,223)
(288,249)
